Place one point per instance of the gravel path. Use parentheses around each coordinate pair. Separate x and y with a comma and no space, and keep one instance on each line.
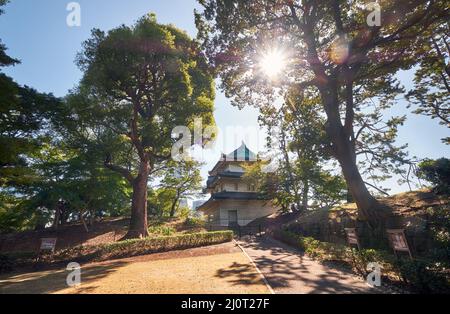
(215,269)
(289,271)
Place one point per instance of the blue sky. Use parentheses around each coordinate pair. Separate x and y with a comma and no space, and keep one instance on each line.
(36,33)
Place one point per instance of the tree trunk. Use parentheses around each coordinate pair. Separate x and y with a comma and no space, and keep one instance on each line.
(360,194)
(138,222)
(305,194)
(291,183)
(92,217)
(349,196)
(344,151)
(57,217)
(83,221)
(368,206)
(174,207)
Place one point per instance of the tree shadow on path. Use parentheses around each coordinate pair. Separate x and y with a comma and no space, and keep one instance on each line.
(290,271)
(53,281)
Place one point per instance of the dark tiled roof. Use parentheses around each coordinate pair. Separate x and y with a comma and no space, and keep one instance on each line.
(232,196)
(225,174)
(236,196)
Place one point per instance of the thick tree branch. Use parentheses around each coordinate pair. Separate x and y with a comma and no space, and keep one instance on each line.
(349,109)
(135,137)
(308,35)
(376,188)
(122,171)
(337,17)
(414,20)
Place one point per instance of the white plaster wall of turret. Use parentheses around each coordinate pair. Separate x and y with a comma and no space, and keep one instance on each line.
(247,210)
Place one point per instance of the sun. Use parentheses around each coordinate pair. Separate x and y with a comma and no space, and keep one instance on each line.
(272,63)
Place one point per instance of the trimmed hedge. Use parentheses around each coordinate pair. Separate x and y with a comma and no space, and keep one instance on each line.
(9,261)
(127,248)
(421,275)
(136,247)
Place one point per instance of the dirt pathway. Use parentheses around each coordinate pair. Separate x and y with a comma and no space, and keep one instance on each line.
(219,268)
(289,271)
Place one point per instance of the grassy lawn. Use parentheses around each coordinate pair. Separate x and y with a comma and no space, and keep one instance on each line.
(226,272)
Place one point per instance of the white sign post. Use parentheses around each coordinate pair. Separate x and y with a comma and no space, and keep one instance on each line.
(48,244)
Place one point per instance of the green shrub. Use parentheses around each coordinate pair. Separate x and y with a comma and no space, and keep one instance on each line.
(423,276)
(183,212)
(442,256)
(336,252)
(439,226)
(437,172)
(193,222)
(359,259)
(6,264)
(289,238)
(8,261)
(312,247)
(161,230)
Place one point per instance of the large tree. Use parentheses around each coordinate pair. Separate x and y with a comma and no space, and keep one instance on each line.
(24,122)
(5,59)
(44,178)
(431,93)
(182,180)
(296,130)
(73,185)
(297,134)
(331,46)
(139,83)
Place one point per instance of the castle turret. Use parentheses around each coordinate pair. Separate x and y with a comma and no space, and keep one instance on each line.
(234,201)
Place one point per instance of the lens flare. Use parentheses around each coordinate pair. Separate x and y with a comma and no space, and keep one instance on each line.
(339,51)
(272,63)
